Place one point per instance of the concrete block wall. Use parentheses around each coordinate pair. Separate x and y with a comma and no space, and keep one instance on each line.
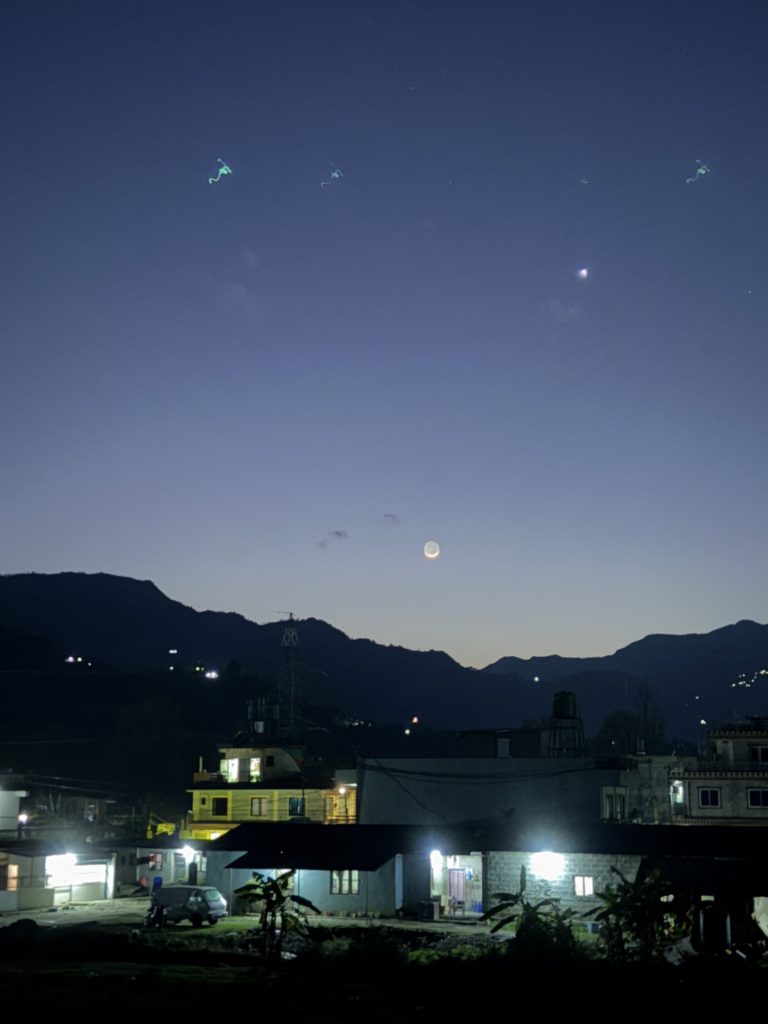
(503,875)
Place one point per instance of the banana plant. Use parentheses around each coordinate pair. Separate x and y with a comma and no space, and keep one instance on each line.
(281,911)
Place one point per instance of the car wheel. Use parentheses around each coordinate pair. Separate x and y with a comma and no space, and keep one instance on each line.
(197,921)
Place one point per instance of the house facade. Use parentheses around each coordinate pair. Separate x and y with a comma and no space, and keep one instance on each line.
(422,791)
(260,785)
(37,876)
(453,871)
(728,784)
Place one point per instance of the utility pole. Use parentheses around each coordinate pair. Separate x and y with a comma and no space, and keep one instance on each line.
(289,722)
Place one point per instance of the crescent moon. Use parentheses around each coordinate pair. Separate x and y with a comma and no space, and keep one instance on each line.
(431,549)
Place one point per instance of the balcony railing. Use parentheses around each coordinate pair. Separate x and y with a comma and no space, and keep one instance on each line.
(721,766)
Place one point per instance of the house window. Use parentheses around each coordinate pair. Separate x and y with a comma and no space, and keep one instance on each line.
(759,754)
(345,883)
(254,769)
(758,797)
(9,877)
(295,806)
(155,862)
(220,806)
(203,801)
(583,885)
(259,806)
(709,798)
(614,804)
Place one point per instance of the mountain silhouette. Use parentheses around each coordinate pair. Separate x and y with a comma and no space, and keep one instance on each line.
(131,625)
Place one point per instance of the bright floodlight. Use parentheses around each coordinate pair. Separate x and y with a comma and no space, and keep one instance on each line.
(431,549)
(188,854)
(212,674)
(436,860)
(582,273)
(547,865)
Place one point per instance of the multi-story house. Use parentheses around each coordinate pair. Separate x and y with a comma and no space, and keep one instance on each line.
(267,784)
(730,783)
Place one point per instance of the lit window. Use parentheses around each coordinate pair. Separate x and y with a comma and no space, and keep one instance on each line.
(295,806)
(259,806)
(345,883)
(254,769)
(583,885)
(758,797)
(709,798)
(9,877)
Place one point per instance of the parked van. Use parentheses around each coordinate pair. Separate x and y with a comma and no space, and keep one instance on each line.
(195,903)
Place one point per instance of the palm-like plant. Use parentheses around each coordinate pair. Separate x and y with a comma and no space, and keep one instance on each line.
(281,911)
(542,927)
(639,921)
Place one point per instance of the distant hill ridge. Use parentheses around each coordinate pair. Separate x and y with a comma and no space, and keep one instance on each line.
(132,625)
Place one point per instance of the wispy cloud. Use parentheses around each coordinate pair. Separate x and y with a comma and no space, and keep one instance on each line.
(556,311)
(332,535)
(237,299)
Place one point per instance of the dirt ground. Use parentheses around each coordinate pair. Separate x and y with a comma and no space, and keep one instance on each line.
(130,913)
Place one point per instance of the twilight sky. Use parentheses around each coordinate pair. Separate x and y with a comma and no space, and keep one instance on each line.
(265,395)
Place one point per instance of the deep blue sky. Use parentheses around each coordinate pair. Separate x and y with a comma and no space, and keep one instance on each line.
(199,381)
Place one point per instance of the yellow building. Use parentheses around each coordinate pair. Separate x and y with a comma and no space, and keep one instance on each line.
(266,784)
